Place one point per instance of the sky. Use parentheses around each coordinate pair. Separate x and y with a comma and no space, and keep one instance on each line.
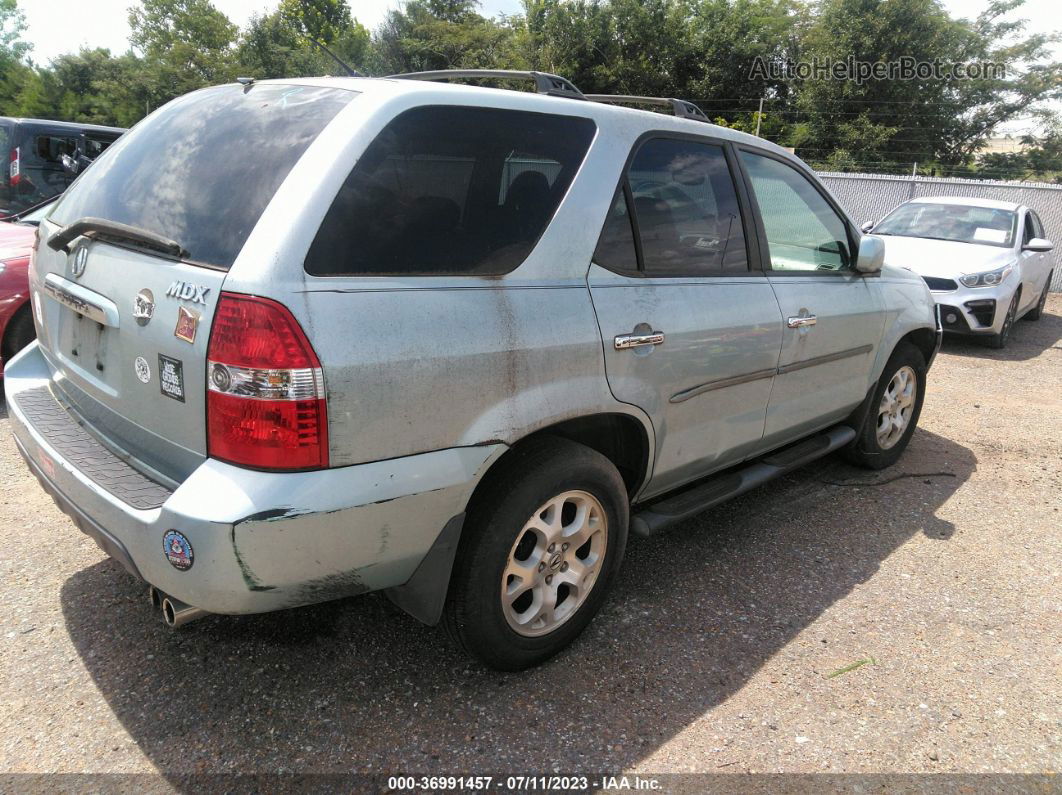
(59,26)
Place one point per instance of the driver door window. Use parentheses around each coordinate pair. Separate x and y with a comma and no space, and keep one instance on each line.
(804,233)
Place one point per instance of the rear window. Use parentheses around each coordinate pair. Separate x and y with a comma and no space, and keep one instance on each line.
(203,168)
(450,190)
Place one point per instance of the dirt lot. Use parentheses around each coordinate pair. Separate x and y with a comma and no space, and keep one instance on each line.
(714,654)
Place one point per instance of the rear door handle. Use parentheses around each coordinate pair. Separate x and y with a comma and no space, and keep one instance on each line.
(803,320)
(624,341)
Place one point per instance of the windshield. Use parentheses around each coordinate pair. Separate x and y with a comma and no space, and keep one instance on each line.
(202,169)
(961,223)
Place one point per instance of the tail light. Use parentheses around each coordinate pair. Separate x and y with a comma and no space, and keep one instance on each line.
(265,390)
(16,167)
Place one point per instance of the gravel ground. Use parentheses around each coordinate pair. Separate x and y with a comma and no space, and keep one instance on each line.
(713,654)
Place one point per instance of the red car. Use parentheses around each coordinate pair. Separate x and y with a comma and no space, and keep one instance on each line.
(16,319)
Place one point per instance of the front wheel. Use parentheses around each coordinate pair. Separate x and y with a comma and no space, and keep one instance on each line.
(897,403)
(999,341)
(540,547)
(1037,311)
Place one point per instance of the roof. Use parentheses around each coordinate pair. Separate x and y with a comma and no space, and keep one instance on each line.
(66,125)
(463,93)
(968,201)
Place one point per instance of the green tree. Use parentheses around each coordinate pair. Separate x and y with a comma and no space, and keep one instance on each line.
(920,120)
(441,34)
(278,44)
(186,44)
(13,50)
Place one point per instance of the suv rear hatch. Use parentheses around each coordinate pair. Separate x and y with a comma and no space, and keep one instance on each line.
(133,258)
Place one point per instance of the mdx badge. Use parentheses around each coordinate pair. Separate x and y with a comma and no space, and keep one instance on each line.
(143,307)
(187,291)
(80,261)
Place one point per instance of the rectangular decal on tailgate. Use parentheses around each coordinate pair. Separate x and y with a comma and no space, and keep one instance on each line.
(171,377)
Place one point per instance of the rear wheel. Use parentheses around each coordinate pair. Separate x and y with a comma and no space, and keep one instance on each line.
(1038,311)
(897,405)
(538,553)
(999,341)
(19,333)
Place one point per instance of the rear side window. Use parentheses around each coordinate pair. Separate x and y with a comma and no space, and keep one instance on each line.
(203,168)
(450,190)
(51,148)
(686,209)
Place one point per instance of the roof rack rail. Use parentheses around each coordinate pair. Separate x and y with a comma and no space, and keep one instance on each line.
(680,107)
(545,83)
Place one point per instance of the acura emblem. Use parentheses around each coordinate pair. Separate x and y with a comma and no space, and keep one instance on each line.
(80,260)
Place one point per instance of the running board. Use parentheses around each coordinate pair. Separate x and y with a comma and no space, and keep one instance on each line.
(659,515)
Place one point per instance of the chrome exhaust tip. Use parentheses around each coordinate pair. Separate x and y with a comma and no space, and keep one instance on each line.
(176,613)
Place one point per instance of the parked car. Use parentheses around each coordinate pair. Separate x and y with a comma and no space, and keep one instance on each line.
(16,245)
(304,339)
(987,262)
(44,157)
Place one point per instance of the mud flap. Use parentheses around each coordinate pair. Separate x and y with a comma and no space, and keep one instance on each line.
(424,595)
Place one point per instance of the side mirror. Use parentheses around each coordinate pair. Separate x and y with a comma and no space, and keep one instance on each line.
(70,165)
(871,254)
(1038,244)
(866,227)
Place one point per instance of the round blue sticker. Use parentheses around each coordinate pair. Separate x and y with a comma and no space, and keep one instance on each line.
(178,550)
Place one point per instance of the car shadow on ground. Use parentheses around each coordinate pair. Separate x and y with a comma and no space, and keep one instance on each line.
(1028,339)
(357,686)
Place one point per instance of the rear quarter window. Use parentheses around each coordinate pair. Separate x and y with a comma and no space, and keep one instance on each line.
(203,168)
(450,190)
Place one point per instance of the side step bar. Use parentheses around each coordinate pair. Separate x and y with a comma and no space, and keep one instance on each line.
(659,515)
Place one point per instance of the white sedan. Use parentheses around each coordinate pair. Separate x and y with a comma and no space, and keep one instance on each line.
(986,262)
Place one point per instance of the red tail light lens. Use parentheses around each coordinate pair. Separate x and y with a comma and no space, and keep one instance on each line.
(15,169)
(265,389)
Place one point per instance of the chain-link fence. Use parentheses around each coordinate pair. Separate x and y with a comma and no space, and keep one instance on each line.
(868,197)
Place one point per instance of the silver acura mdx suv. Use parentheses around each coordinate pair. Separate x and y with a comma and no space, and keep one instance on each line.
(309,338)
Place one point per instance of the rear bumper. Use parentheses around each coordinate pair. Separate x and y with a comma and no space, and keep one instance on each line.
(260,541)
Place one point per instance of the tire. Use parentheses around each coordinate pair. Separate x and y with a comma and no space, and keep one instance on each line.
(1037,311)
(19,333)
(488,611)
(872,450)
(999,341)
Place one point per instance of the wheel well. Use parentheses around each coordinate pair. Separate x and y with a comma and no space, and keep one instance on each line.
(618,437)
(922,338)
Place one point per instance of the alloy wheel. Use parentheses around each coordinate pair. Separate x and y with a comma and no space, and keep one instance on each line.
(896,407)
(554,563)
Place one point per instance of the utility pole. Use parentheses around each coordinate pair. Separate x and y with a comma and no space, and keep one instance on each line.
(759,115)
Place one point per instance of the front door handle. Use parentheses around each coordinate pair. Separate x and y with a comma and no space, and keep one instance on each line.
(803,320)
(624,341)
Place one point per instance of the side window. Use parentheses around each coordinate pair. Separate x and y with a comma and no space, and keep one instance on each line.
(51,148)
(94,145)
(804,233)
(450,190)
(615,248)
(686,209)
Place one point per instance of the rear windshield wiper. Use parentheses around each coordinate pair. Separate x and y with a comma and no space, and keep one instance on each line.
(60,241)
